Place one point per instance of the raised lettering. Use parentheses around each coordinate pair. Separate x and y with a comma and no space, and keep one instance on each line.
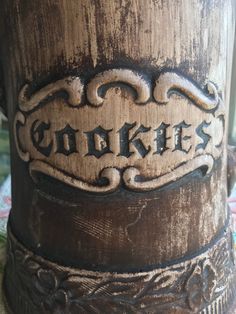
(126,141)
(66,140)
(98,142)
(179,137)
(161,139)
(204,136)
(37,133)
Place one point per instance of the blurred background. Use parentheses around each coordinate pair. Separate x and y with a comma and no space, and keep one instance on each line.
(4,148)
(232,115)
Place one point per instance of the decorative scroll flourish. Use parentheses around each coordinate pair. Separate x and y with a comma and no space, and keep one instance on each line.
(144,148)
(170,82)
(72,85)
(112,175)
(190,286)
(118,75)
(20,119)
(131,174)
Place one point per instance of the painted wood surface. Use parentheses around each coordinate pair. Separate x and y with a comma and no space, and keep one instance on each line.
(118,115)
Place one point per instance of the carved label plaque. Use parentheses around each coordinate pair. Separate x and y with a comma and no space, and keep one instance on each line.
(120,128)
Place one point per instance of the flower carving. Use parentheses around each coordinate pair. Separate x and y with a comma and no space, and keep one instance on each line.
(188,287)
(200,285)
(53,298)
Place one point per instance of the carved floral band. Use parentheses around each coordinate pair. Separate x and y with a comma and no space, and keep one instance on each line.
(91,137)
(188,286)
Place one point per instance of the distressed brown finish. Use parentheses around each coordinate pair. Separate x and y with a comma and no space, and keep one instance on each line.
(162,290)
(119,60)
(146,145)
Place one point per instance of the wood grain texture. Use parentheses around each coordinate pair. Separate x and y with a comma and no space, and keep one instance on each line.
(171,289)
(116,138)
(107,44)
(53,40)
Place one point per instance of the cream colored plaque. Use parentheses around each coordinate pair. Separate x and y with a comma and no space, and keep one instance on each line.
(122,128)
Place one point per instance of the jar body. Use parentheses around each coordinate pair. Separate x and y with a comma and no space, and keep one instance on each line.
(118,115)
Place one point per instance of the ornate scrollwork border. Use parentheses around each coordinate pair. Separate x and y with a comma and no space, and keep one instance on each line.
(71,85)
(167,84)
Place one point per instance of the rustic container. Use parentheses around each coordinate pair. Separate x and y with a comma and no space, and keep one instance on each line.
(118,114)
